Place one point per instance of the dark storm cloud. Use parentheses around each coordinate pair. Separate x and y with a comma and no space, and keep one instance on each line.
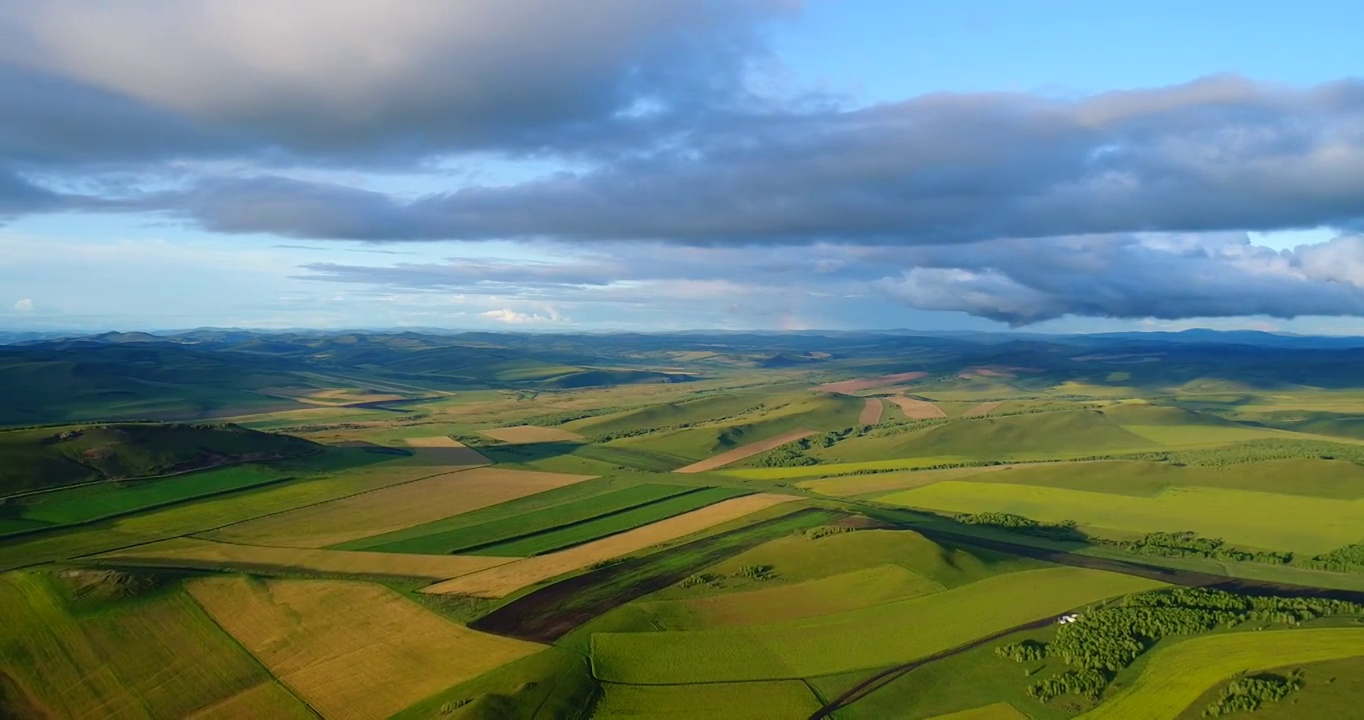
(1127,276)
(361,80)
(1221,153)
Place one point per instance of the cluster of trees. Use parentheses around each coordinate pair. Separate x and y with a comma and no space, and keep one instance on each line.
(757,572)
(636,432)
(1108,639)
(788,455)
(1189,544)
(1064,530)
(569,416)
(1088,683)
(1255,451)
(1347,559)
(705,578)
(824,531)
(1249,693)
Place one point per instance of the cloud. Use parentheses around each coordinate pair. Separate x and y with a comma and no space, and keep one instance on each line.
(25,305)
(365,77)
(1129,276)
(1222,153)
(512,317)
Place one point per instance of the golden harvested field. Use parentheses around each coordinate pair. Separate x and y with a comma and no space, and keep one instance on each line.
(446,451)
(392,508)
(848,387)
(508,578)
(266,700)
(189,552)
(871,412)
(526,434)
(918,409)
(739,453)
(984,408)
(351,650)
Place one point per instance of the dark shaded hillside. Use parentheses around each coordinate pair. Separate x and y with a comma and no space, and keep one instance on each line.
(54,457)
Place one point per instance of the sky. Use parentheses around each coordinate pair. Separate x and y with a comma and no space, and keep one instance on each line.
(1053,166)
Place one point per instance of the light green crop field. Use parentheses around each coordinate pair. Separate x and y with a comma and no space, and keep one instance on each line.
(158,657)
(874,637)
(997,711)
(568,535)
(1195,435)
(741,701)
(1263,520)
(1178,674)
(1331,689)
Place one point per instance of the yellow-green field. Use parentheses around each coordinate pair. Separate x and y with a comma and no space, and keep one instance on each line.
(351,650)
(742,701)
(808,471)
(1178,674)
(1269,521)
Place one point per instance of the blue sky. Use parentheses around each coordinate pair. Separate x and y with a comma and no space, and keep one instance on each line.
(768,164)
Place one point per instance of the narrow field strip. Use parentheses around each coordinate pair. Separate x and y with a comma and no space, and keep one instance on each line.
(572,534)
(392,508)
(1177,675)
(877,636)
(474,538)
(195,553)
(871,412)
(817,471)
(266,700)
(508,578)
(984,408)
(917,409)
(739,453)
(351,650)
(851,386)
(526,434)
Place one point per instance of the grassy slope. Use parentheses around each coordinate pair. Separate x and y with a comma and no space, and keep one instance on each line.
(1332,689)
(159,657)
(878,636)
(741,701)
(44,458)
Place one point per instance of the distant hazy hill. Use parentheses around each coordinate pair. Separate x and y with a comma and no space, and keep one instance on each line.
(53,457)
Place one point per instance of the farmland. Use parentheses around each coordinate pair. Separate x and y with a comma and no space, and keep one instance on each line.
(828,529)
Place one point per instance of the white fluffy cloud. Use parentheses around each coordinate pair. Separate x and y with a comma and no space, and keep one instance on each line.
(25,305)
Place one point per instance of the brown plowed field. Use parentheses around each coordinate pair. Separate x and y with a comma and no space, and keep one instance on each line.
(505,579)
(918,409)
(851,386)
(739,453)
(982,409)
(189,552)
(871,412)
(392,508)
(526,434)
(351,650)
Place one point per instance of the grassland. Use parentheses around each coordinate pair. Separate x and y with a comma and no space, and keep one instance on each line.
(814,471)
(878,636)
(1332,689)
(392,508)
(505,579)
(995,711)
(1178,674)
(1270,521)
(351,650)
(742,701)
(148,657)
(194,553)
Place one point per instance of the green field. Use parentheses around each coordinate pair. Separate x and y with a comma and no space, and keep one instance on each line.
(1269,521)
(569,534)
(887,634)
(815,471)
(82,504)
(1178,674)
(742,701)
